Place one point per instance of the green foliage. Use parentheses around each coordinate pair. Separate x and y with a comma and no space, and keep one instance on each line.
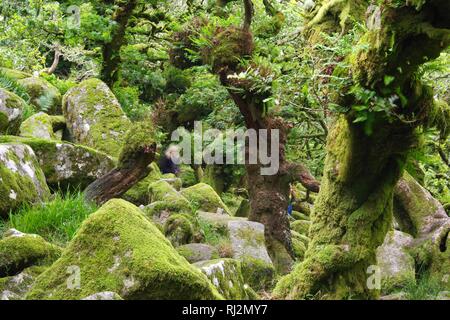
(63,85)
(10,84)
(56,221)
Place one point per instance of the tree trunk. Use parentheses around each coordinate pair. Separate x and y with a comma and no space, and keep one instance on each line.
(269,194)
(353,211)
(119,180)
(111,50)
(137,153)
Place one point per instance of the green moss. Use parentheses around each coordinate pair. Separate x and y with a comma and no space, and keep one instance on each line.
(20,252)
(42,126)
(301,226)
(140,139)
(298,245)
(22,180)
(226,275)
(300,216)
(257,274)
(11,110)
(230,46)
(139,193)
(162,191)
(179,229)
(95,118)
(117,249)
(196,252)
(16,287)
(65,164)
(43,95)
(187,176)
(172,179)
(203,197)
(250,237)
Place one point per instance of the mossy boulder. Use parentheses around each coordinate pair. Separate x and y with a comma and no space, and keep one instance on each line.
(196,252)
(139,194)
(187,176)
(301,226)
(258,274)
(247,240)
(217,223)
(179,229)
(172,179)
(396,264)
(43,126)
(65,164)
(94,117)
(19,251)
(16,287)
(165,200)
(21,178)
(118,249)
(11,112)
(226,275)
(43,95)
(203,197)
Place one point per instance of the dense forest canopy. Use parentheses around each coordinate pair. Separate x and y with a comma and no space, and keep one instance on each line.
(356,90)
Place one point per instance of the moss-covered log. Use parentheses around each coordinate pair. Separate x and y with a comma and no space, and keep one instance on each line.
(353,211)
(133,166)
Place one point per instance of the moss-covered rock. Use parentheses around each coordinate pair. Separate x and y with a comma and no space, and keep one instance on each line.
(179,229)
(16,287)
(165,200)
(95,118)
(203,197)
(65,164)
(196,252)
(19,251)
(43,126)
(187,176)
(226,276)
(247,240)
(139,194)
(117,249)
(21,178)
(397,265)
(43,95)
(171,179)
(11,112)
(301,226)
(258,274)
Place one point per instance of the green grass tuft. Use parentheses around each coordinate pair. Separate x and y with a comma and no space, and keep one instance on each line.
(56,221)
(426,287)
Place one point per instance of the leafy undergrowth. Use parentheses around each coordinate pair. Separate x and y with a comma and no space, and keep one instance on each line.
(56,221)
